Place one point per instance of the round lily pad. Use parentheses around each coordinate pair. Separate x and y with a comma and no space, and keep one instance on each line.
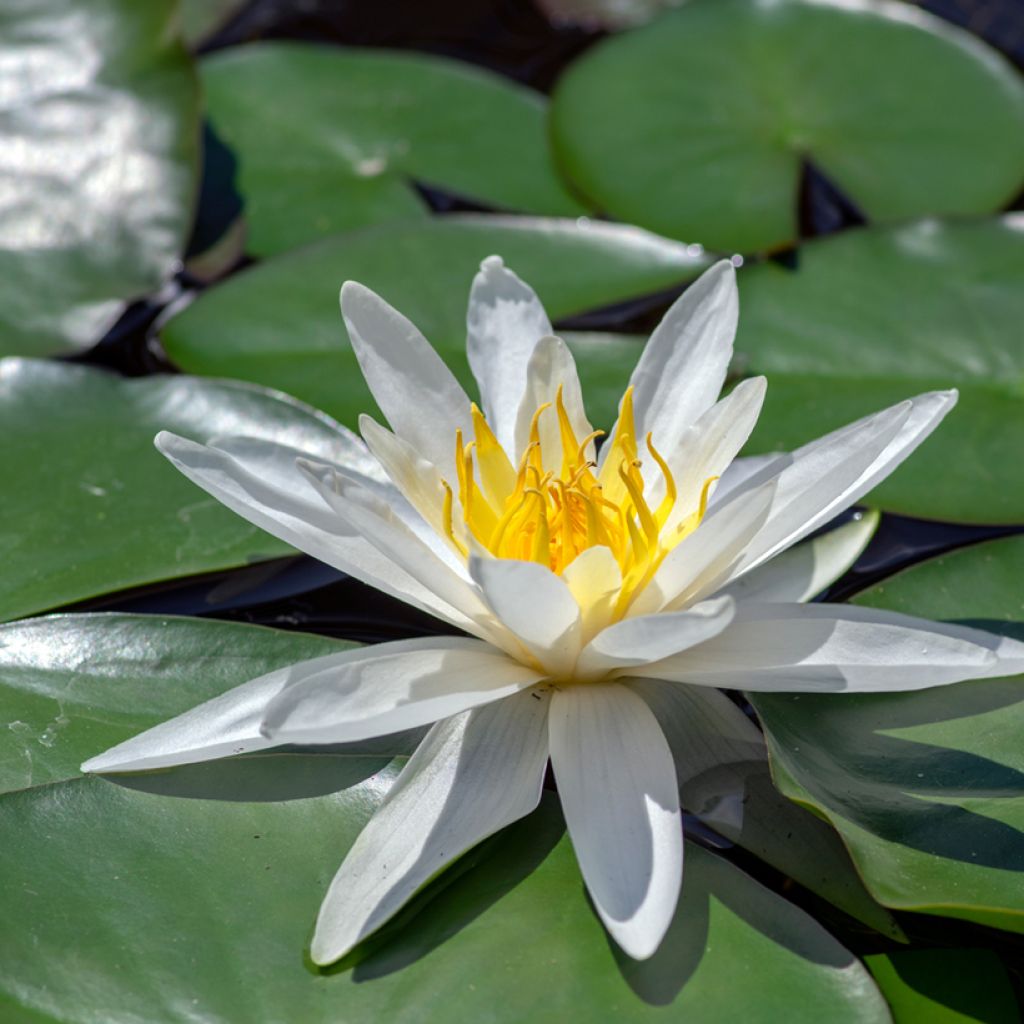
(330,139)
(279,323)
(99,124)
(698,125)
(91,507)
(926,788)
(872,316)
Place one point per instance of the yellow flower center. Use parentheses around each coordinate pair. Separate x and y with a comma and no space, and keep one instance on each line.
(535,515)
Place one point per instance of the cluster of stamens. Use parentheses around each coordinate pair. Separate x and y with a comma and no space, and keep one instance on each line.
(550,517)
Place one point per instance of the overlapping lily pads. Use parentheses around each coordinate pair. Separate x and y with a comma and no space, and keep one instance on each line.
(371,124)
(873,316)
(926,788)
(279,324)
(98,135)
(507,936)
(697,125)
(90,506)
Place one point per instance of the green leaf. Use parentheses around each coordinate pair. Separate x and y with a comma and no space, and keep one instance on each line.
(697,125)
(90,506)
(871,317)
(329,140)
(946,986)
(926,788)
(279,324)
(98,126)
(204,18)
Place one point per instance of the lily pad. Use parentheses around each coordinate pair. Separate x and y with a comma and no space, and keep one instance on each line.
(99,121)
(99,869)
(698,125)
(873,316)
(926,788)
(89,505)
(279,324)
(329,139)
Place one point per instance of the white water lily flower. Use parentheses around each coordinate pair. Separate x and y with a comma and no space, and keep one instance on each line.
(606,596)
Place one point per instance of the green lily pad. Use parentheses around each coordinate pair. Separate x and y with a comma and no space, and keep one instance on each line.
(926,788)
(873,316)
(91,507)
(279,323)
(698,124)
(99,121)
(945,986)
(158,905)
(329,140)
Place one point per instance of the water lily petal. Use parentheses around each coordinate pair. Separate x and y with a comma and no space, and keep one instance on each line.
(472,775)
(535,605)
(747,469)
(835,648)
(828,475)
(504,322)
(298,516)
(714,745)
(551,366)
(699,563)
(594,580)
(637,641)
(806,569)
(415,390)
(708,447)
(618,790)
(683,366)
(392,687)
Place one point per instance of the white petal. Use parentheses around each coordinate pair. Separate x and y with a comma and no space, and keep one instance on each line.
(221,727)
(683,366)
(830,474)
(594,580)
(551,366)
(696,566)
(298,516)
(535,605)
(392,687)
(504,322)
(714,745)
(834,648)
(637,641)
(707,448)
(747,471)
(618,790)
(471,776)
(805,570)
(418,394)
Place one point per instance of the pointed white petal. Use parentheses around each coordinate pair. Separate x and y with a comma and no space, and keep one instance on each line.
(551,366)
(816,484)
(805,570)
(819,483)
(707,448)
(683,366)
(745,472)
(594,580)
(471,776)
(221,727)
(834,648)
(618,790)
(392,687)
(714,745)
(695,567)
(417,393)
(298,516)
(637,641)
(504,322)
(535,605)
